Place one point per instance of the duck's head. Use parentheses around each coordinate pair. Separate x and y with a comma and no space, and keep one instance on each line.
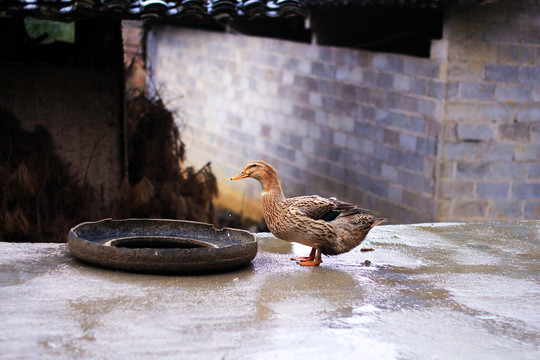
(258,170)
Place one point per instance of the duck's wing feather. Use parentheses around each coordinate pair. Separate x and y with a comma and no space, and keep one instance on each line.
(321,208)
(314,206)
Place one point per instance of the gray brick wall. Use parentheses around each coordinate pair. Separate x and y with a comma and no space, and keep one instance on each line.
(453,137)
(333,121)
(489,146)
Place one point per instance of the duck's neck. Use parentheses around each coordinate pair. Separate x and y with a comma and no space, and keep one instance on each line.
(271,186)
(272,194)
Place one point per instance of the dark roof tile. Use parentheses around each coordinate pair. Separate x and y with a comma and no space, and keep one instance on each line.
(140,9)
(176,9)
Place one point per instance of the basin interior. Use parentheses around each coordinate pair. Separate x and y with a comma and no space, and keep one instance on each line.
(158,242)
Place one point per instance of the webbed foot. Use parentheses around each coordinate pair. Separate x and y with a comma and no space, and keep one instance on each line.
(316,262)
(314,258)
(311,256)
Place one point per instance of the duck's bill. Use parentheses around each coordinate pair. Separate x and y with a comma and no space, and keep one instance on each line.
(240,176)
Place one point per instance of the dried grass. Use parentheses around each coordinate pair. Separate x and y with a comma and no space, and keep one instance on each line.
(40,200)
(158,186)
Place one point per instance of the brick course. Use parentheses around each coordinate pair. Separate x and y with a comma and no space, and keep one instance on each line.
(492,110)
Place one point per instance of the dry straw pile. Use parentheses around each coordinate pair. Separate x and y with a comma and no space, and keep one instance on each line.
(40,198)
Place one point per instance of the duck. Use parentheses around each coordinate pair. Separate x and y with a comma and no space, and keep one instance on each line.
(328,225)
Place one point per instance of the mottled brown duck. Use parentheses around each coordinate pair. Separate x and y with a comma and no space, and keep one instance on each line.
(328,225)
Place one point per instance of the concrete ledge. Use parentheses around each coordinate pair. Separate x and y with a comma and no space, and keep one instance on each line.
(447,291)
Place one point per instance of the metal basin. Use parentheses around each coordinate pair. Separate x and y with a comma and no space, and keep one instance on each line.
(161,246)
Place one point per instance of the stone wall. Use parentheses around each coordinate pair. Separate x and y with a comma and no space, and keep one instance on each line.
(453,137)
(354,124)
(491,152)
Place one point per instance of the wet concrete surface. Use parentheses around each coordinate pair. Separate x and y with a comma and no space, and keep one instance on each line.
(429,291)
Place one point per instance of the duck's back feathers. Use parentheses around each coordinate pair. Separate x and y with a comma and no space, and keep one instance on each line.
(320,208)
(313,206)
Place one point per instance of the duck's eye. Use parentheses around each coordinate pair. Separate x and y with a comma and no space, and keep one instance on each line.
(252,166)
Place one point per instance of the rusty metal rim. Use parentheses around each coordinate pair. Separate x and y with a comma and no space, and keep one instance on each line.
(133,242)
(227,248)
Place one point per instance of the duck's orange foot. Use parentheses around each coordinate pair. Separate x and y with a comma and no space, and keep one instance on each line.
(311,256)
(314,258)
(302,258)
(310,262)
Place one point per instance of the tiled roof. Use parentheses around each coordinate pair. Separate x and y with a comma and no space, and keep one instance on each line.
(178,9)
(142,9)
(407,3)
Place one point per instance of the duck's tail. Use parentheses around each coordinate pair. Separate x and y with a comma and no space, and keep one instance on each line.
(350,232)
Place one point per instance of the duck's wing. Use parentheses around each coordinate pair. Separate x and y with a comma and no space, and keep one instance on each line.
(320,208)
